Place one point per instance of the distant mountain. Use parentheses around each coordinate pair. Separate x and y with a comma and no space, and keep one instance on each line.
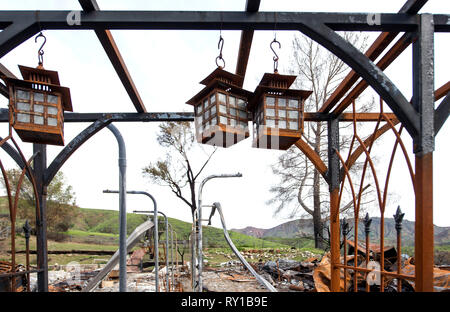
(304,227)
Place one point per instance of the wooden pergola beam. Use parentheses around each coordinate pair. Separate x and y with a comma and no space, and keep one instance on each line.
(107,41)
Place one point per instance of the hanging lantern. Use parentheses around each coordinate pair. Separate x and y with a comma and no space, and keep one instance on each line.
(278,112)
(221,116)
(37,104)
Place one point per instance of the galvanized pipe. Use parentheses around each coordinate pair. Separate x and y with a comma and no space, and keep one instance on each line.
(199,225)
(171,252)
(122,209)
(260,279)
(155,226)
(155,217)
(167,242)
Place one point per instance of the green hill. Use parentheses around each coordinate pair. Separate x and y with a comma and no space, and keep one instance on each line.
(99,221)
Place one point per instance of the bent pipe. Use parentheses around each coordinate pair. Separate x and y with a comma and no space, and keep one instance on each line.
(155,216)
(199,238)
(259,278)
(122,208)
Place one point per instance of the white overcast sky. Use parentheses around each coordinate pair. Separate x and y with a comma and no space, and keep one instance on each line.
(166,67)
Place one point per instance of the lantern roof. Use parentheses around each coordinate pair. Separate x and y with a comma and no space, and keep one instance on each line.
(45,77)
(39,74)
(221,74)
(277,84)
(276,80)
(221,79)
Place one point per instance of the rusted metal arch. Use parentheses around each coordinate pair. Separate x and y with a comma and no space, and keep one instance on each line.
(443,114)
(73,145)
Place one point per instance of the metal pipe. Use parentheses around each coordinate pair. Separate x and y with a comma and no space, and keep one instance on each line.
(171,252)
(122,209)
(167,242)
(155,226)
(260,279)
(199,224)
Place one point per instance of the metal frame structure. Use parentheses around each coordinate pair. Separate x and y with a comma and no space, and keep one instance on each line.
(419,118)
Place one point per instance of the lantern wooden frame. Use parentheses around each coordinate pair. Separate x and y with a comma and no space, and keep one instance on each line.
(37,105)
(278,112)
(221,115)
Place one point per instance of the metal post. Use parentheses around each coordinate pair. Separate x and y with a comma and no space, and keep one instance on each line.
(367,223)
(167,237)
(333,178)
(398,217)
(199,225)
(27,232)
(155,216)
(171,252)
(423,102)
(40,165)
(122,209)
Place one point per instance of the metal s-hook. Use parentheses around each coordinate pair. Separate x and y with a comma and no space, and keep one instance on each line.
(275,58)
(220,47)
(41,51)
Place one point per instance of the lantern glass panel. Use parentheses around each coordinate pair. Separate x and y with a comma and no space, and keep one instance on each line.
(222,109)
(232,111)
(270,123)
(282,124)
(23,117)
(242,103)
(38,108)
(223,120)
(199,109)
(293,125)
(23,95)
(38,120)
(52,99)
(282,113)
(38,97)
(52,121)
(293,114)
(23,106)
(270,112)
(212,99)
(293,103)
(222,97)
(233,122)
(232,100)
(281,102)
(214,121)
(270,101)
(205,104)
(242,114)
(243,124)
(207,114)
(213,110)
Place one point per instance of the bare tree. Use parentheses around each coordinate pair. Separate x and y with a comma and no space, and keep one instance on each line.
(301,189)
(177,170)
